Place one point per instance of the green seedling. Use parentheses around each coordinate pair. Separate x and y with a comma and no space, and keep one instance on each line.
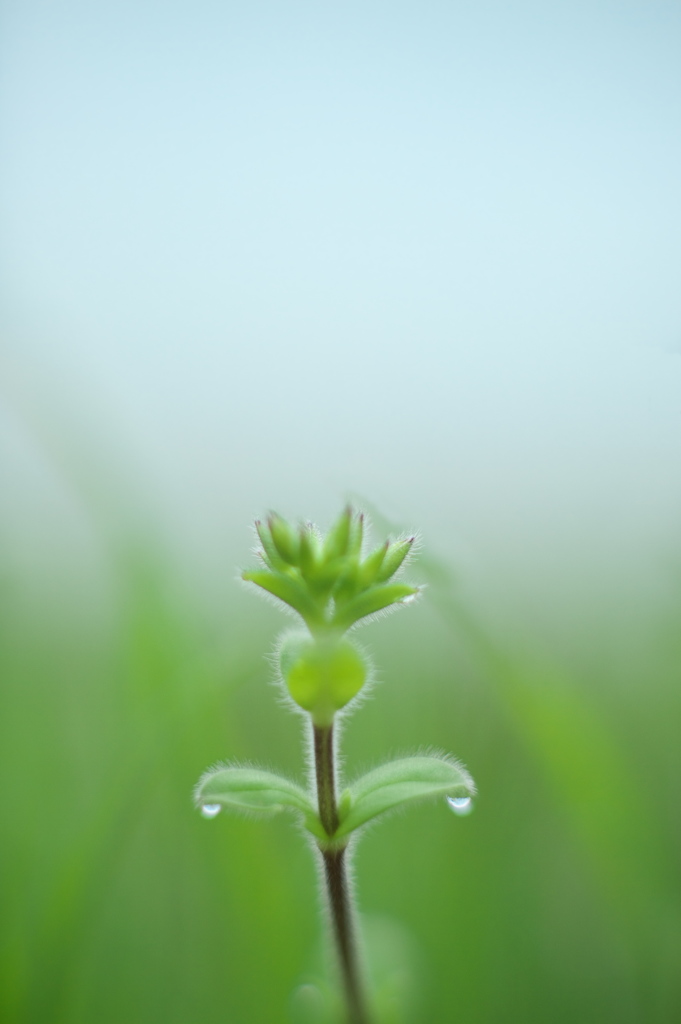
(332,585)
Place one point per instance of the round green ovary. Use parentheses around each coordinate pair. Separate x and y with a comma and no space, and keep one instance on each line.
(324,675)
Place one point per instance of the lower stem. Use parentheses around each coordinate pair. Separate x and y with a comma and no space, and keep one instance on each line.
(342,917)
(335,873)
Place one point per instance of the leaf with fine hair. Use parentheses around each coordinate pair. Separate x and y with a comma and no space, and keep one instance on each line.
(269,553)
(255,791)
(309,551)
(395,556)
(288,589)
(356,534)
(338,537)
(372,563)
(284,539)
(370,601)
(398,783)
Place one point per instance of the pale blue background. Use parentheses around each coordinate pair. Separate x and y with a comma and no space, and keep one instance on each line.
(276,253)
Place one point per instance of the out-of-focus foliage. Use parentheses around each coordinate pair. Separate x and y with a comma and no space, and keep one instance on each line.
(558,899)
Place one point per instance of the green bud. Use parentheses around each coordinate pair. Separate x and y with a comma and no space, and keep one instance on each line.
(284,539)
(322,675)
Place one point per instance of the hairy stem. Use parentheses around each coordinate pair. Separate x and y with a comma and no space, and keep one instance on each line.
(335,872)
(326,777)
(342,917)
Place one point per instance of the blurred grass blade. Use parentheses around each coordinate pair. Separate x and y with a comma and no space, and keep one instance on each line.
(593,777)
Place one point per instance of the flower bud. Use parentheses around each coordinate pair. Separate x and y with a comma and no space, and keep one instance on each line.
(322,675)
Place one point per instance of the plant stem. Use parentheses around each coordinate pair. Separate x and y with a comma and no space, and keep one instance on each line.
(335,872)
(326,777)
(342,916)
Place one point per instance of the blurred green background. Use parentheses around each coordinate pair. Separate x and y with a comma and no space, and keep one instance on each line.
(423,257)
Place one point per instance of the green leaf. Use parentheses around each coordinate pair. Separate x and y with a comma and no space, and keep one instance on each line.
(326,574)
(309,551)
(398,783)
(254,790)
(284,539)
(370,601)
(269,553)
(338,537)
(289,590)
(347,583)
(394,558)
(356,534)
(371,565)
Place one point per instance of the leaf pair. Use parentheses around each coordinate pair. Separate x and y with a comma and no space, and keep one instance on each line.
(386,788)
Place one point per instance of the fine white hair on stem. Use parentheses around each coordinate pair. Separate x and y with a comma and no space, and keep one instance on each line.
(324,903)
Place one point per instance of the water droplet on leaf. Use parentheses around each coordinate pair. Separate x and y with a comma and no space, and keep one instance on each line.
(461,805)
(210,810)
